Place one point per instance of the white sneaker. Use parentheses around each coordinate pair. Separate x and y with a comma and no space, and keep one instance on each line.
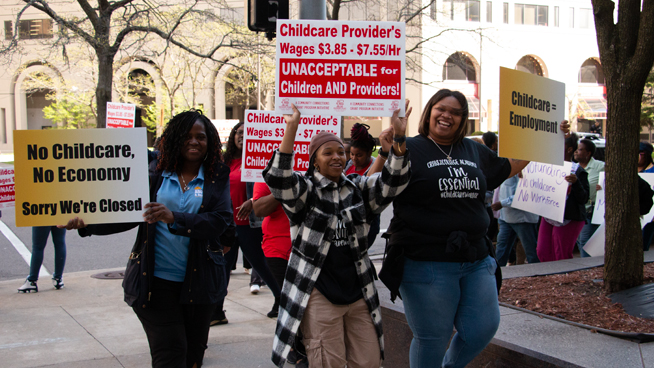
(29,286)
(254,289)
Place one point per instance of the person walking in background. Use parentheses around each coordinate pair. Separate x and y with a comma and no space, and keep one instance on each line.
(249,237)
(584,156)
(514,222)
(181,242)
(557,240)
(40,236)
(438,251)
(645,163)
(329,290)
(490,140)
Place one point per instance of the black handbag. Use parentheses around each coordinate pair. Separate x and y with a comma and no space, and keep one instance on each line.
(136,271)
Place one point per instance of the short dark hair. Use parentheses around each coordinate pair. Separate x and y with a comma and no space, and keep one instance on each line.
(489,139)
(590,146)
(571,141)
(423,128)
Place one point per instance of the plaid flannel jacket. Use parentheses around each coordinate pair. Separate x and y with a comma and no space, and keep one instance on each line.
(312,205)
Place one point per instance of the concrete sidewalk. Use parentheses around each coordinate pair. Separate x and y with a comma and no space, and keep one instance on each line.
(87,324)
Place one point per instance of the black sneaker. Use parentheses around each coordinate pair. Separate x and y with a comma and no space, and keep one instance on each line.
(58,282)
(218,318)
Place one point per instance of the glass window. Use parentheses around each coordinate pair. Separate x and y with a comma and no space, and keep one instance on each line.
(9,32)
(530,65)
(556,16)
(459,67)
(462,10)
(489,12)
(585,18)
(530,14)
(505,13)
(35,29)
(571,18)
(591,72)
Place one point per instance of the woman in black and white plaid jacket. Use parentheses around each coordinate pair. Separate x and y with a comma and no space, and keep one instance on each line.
(329,287)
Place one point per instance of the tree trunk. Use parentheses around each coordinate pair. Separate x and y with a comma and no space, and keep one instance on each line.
(623,266)
(103,89)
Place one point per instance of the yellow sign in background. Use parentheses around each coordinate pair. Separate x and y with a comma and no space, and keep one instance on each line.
(531,111)
(99,175)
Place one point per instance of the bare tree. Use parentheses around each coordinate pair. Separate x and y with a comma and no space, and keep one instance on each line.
(111,26)
(627,53)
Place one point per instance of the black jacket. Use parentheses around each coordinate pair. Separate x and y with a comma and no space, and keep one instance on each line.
(209,229)
(575,205)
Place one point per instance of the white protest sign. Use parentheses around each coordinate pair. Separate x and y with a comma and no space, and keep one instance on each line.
(649,178)
(340,68)
(120,115)
(263,134)
(595,245)
(543,190)
(600,202)
(531,110)
(7,190)
(224,127)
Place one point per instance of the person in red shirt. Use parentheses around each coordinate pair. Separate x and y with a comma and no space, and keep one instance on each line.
(362,145)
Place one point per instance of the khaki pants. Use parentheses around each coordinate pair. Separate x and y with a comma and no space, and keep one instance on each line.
(337,336)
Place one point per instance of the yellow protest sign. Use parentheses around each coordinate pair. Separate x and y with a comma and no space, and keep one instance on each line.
(531,111)
(99,175)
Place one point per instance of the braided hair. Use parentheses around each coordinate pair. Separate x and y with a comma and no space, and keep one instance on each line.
(232,152)
(174,137)
(361,139)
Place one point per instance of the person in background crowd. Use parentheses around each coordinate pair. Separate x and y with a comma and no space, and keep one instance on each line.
(348,159)
(362,144)
(584,156)
(514,222)
(556,240)
(490,140)
(329,284)
(438,253)
(596,128)
(183,232)
(645,163)
(40,236)
(249,238)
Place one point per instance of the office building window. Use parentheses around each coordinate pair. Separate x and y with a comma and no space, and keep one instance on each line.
(489,12)
(585,18)
(505,16)
(34,29)
(9,32)
(462,10)
(530,14)
(459,67)
(556,16)
(571,18)
(529,64)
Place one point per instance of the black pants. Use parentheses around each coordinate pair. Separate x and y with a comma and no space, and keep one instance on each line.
(278,269)
(177,333)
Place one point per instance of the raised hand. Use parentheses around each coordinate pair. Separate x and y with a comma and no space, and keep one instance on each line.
(399,123)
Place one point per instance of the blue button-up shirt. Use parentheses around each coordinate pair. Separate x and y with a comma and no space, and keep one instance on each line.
(509,214)
(171,251)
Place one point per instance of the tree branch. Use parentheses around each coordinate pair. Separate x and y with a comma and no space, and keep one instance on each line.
(45,8)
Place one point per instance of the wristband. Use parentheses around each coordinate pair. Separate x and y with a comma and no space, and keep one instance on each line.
(399,139)
(383,154)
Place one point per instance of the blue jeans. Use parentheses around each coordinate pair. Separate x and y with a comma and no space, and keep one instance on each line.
(586,233)
(438,296)
(528,234)
(39,240)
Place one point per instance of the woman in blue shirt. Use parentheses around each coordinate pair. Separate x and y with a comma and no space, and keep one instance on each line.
(188,217)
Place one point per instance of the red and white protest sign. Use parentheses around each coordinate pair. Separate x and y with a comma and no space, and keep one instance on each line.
(7,192)
(120,115)
(340,68)
(263,134)
(224,127)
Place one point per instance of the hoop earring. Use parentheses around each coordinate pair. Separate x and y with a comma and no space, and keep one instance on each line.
(316,168)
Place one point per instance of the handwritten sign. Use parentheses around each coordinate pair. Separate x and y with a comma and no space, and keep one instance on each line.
(100,175)
(120,115)
(340,68)
(542,190)
(263,134)
(595,245)
(600,201)
(7,193)
(531,110)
